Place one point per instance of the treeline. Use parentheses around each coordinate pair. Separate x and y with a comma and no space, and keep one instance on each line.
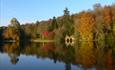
(91,25)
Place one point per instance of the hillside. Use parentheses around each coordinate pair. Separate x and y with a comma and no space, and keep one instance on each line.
(91,25)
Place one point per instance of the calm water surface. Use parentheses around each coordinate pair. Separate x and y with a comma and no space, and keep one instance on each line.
(49,56)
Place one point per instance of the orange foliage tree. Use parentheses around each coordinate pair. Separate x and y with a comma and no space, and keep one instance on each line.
(87,21)
(107,16)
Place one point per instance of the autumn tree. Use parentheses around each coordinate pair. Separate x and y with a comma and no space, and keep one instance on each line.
(113,17)
(87,21)
(11,34)
(13,31)
(107,16)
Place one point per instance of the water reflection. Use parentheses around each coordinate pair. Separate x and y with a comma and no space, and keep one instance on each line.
(86,55)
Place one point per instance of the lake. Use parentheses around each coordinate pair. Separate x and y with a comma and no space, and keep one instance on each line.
(52,56)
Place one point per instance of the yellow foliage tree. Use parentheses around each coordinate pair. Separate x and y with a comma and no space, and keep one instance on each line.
(87,21)
(11,33)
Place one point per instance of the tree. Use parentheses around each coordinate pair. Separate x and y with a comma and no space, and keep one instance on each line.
(11,34)
(37,23)
(68,22)
(15,23)
(13,31)
(113,11)
(97,6)
(87,21)
(1,32)
(66,13)
(107,16)
(53,25)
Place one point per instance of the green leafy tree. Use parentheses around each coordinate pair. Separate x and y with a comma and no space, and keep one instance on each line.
(1,32)
(15,23)
(53,25)
(68,22)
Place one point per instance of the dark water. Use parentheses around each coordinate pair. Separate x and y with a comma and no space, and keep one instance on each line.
(51,56)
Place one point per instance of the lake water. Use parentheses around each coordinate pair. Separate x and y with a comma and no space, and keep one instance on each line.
(50,56)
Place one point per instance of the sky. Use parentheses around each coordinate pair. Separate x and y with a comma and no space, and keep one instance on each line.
(33,10)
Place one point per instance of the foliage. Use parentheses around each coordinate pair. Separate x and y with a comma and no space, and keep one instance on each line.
(107,15)
(86,26)
(86,54)
(53,25)
(11,33)
(93,25)
(15,23)
(68,22)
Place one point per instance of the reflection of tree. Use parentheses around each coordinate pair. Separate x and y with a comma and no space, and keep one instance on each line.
(86,54)
(31,49)
(48,47)
(14,58)
(99,57)
(69,55)
(105,59)
(68,66)
(109,60)
(54,56)
(13,51)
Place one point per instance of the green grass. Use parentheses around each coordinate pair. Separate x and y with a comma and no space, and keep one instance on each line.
(38,40)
